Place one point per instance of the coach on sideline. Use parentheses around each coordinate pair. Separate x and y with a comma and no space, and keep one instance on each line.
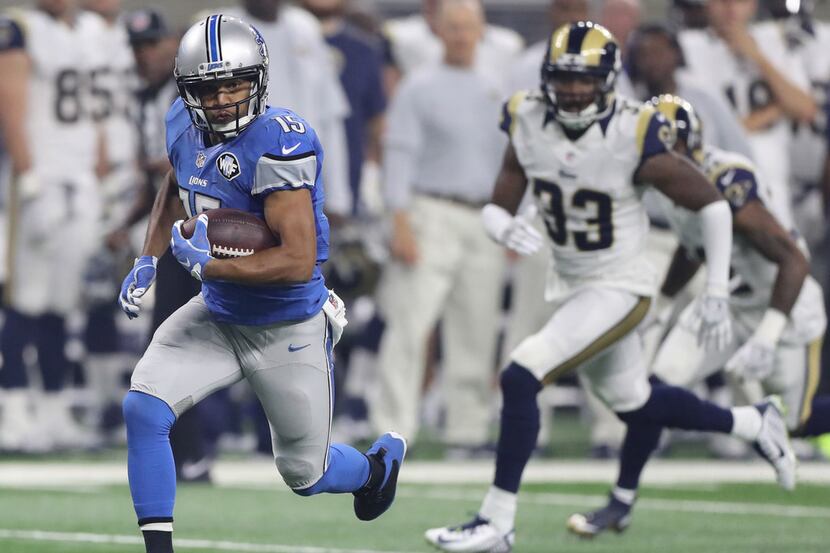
(441,154)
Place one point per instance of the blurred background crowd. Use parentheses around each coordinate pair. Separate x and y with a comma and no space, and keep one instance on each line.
(406,98)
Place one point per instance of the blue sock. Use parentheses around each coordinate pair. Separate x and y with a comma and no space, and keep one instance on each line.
(819,421)
(519,425)
(17,332)
(673,407)
(347,472)
(51,346)
(640,442)
(150,465)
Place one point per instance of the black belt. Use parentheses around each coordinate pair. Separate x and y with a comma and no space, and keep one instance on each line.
(458,200)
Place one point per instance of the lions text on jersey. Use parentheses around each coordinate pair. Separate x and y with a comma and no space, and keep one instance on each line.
(278,151)
(591,206)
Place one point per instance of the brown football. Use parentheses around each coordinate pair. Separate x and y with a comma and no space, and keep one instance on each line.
(234,233)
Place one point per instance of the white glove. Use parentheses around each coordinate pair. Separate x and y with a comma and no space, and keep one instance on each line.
(42,218)
(710,320)
(755,360)
(517,233)
(335,310)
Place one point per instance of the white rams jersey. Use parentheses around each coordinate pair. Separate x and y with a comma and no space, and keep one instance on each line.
(741,82)
(809,144)
(63,103)
(739,182)
(591,207)
(412,44)
(119,112)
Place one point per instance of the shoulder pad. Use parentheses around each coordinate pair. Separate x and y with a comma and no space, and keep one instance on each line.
(513,105)
(737,183)
(653,134)
(12,31)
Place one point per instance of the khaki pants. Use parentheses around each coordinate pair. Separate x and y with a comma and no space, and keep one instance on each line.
(458,279)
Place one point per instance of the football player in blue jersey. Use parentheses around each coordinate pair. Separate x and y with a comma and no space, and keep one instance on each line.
(267,317)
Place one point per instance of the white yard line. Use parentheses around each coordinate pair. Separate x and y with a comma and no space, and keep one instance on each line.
(262,472)
(67,537)
(593,500)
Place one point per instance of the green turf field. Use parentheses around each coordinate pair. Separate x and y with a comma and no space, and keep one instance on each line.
(745,518)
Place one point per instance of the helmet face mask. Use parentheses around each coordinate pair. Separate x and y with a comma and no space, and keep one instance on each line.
(209,60)
(579,74)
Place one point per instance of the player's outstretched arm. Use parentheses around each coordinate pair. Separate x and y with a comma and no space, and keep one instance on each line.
(167,209)
(499,216)
(289,214)
(757,224)
(681,271)
(16,68)
(683,183)
(755,358)
(511,182)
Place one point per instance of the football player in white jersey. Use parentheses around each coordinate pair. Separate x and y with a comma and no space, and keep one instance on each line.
(48,108)
(777,309)
(764,82)
(588,155)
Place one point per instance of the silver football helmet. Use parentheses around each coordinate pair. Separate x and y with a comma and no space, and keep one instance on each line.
(218,48)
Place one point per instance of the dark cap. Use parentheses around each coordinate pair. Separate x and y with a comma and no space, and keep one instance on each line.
(145,25)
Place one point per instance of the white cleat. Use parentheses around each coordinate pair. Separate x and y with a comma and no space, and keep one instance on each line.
(773,442)
(476,536)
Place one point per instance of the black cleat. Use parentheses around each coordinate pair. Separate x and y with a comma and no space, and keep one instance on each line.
(615,516)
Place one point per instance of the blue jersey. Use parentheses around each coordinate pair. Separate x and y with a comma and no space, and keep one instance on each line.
(278,151)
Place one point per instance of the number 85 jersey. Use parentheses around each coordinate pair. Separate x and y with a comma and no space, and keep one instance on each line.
(585,191)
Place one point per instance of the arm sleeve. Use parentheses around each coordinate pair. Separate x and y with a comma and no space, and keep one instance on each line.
(653,134)
(738,185)
(401,144)
(12,36)
(290,162)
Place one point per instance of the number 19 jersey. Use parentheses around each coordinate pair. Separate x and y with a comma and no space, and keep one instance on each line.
(591,207)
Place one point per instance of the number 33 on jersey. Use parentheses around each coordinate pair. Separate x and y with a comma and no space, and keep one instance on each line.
(584,187)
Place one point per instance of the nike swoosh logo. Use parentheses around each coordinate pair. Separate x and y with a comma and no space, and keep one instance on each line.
(186,263)
(292,348)
(286,151)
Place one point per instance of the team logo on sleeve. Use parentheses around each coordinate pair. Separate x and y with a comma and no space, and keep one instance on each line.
(228,165)
(736,193)
(200,159)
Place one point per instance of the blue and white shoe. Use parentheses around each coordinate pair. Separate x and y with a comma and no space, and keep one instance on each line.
(385,459)
(773,443)
(475,536)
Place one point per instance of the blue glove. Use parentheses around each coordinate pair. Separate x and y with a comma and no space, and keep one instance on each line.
(194,253)
(141,277)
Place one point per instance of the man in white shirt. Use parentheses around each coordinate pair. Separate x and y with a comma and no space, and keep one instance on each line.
(442,149)
(413,42)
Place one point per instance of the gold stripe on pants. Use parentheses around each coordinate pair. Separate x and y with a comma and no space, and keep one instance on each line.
(811,380)
(626,325)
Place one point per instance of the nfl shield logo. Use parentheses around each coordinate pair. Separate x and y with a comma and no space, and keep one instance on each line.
(228,165)
(200,159)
